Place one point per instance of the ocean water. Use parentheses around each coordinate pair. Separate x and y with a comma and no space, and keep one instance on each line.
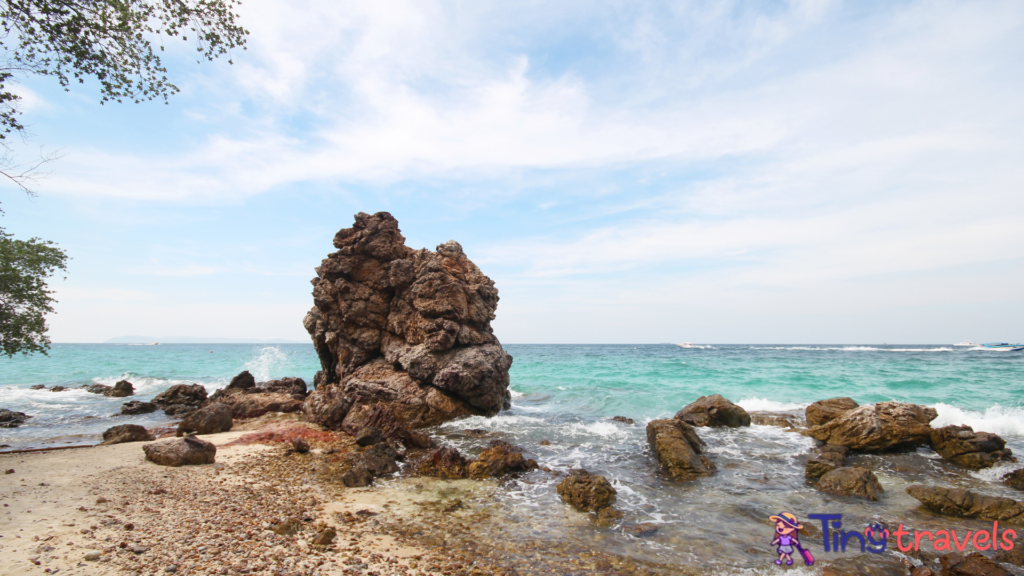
(565,394)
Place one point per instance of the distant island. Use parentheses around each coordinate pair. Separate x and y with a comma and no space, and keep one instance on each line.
(195,340)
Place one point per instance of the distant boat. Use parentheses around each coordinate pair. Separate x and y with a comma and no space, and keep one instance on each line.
(686,345)
(1003,347)
(967,343)
(153,344)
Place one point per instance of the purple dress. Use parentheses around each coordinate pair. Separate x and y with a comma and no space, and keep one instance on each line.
(785,544)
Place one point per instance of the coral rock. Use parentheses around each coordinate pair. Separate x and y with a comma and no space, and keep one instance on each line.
(126,433)
(678,448)
(181,452)
(209,420)
(586,491)
(714,411)
(850,481)
(825,411)
(879,427)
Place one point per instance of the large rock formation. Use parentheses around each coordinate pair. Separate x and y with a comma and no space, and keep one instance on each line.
(879,427)
(181,399)
(248,399)
(126,433)
(825,411)
(208,420)
(970,449)
(714,411)
(966,504)
(851,481)
(586,491)
(407,328)
(678,448)
(825,459)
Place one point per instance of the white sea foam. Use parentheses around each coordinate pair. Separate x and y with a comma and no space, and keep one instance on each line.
(996,419)
(995,473)
(265,361)
(514,393)
(852,348)
(499,422)
(150,386)
(766,405)
(600,428)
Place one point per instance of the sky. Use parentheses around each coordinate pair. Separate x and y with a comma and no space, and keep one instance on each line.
(626,172)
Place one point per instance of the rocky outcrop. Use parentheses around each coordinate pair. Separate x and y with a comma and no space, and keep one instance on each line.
(181,452)
(714,411)
(1014,479)
(622,420)
(879,427)
(445,463)
(407,328)
(825,411)
(678,448)
(121,389)
(136,407)
(126,433)
(381,417)
(296,387)
(11,419)
(248,399)
(500,460)
(377,460)
(851,481)
(970,449)
(974,564)
(209,420)
(181,399)
(587,492)
(966,504)
(243,381)
(825,459)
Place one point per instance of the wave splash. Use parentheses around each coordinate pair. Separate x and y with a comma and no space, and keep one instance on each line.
(997,419)
(266,361)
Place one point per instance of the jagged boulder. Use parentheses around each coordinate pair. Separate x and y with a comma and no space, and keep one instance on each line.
(11,419)
(248,399)
(825,459)
(208,420)
(825,411)
(774,419)
(121,389)
(714,411)
(851,481)
(970,449)
(136,407)
(185,451)
(408,328)
(678,448)
(381,417)
(296,387)
(181,399)
(966,504)
(242,381)
(586,491)
(879,427)
(126,433)
(501,459)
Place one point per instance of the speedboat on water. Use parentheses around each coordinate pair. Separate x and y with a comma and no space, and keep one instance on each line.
(1003,347)
(967,343)
(686,345)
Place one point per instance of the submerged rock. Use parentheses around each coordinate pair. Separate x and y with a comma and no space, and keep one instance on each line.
(851,481)
(772,419)
(1015,479)
(11,419)
(407,328)
(136,407)
(678,448)
(825,459)
(586,491)
(501,459)
(825,411)
(622,420)
(966,504)
(974,564)
(126,433)
(714,411)
(970,449)
(879,427)
(445,463)
(209,420)
(181,452)
(181,399)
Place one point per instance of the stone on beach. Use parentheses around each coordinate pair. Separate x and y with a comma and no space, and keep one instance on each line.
(973,564)
(408,328)
(825,459)
(970,449)
(248,399)
(209,420)
(136,407)
(181,452)
(586,491)
(678,448)
(825,411)
(181,399)
(851,481)
(126,433)
(714,411)
(878,427)
(966,504)
(11,419)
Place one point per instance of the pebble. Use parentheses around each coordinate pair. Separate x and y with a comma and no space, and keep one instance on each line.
(171,569)
(92,556)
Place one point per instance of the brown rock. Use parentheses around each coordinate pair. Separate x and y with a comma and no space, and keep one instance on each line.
(850,481)
(965,504)
(300,445)
(771,419)
(255,402)
(608,517)
(243,381)
(382,417)
(1015,479)
(922,571)
(501,459)
(586,491)
(296,387)
(714,411)
(122,389)
(209,420)
(825,459)
(642,530)
(879,427)
(325,538)
(369,436)
(181,399)
(407,328)
(377,460)
(825,411)
(287,527)
(974,564)
(11,419)
(678,448)
(126,433)
(445,463)
(136,407)
(622,420)
(180,452)
(1015,556)
(970,449)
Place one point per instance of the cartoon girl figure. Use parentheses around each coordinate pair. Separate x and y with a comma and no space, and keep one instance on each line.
(787,537)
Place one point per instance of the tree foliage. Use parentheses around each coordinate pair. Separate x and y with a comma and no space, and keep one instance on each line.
(109,40)
(24,298)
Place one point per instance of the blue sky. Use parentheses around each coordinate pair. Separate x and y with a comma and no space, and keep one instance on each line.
(807,171)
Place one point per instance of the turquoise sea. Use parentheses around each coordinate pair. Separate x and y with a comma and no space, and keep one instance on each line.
(565,395)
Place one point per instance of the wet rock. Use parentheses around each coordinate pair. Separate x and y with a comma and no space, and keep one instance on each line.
(126,433)
(642,530)
(181,399)
(825,459)
(966,504)
(879,427)
(369,436)
(377,460)
(772,419)
(851,481)
(11,419)
(545,442)
(586,491)
(622,420)
(408,328)
(1015,479)
(37,387)
(357,477)
(445,463)
(296,387)
(136,407)
(714,411)
(59,389)
(1015,556)
(122,389)
(678,448)
(181,452)
(974,564)
(501,459)
(382,417)
(922,571)
(243,381)
(209,420)
(825,411)
(970,449)
(255,402)
(608,517)
(860,565)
